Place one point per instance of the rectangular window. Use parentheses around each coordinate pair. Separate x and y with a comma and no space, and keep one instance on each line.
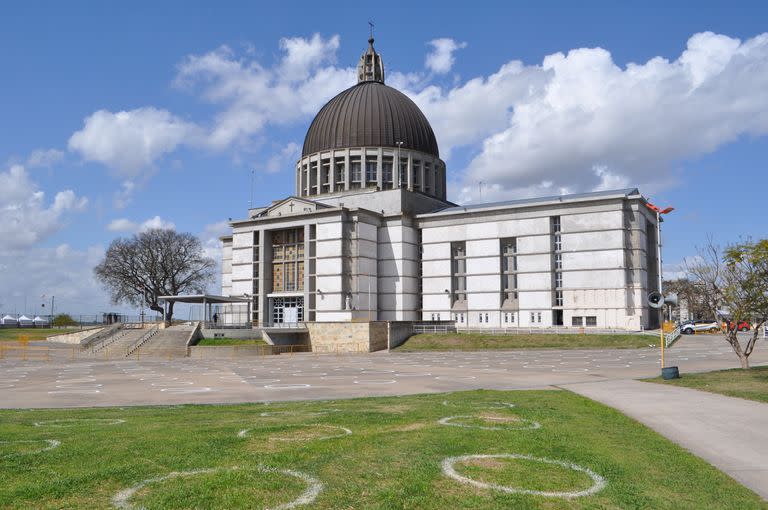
(591,320)
(577,321)
(370,172)
(533,317)
(461,318)
(480,318)
(506,317)
(486,318)
(288,260)
(538,317)
(356,175)
(459,272)
(338,173)
(386,170)
(508,270)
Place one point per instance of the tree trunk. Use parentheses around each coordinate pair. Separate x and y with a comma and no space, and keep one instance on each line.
(731,335)
(744,359)
(170,312)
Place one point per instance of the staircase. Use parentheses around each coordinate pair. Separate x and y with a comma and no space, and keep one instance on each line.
(117,344)
(166,343)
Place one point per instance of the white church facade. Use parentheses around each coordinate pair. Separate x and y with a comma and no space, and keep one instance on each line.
(369,235)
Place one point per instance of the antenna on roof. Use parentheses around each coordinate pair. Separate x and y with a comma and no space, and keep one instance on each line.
(480,189)
(371,24)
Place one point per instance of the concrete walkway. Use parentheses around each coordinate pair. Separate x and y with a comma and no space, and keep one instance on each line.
(729,433)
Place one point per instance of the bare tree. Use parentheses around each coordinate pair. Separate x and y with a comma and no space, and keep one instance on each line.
(154,263)
(735,283)
(692,294)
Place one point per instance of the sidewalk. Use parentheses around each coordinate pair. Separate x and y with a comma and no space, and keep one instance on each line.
(729,433)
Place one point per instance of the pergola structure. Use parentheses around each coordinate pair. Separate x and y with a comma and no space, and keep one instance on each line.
(206,300)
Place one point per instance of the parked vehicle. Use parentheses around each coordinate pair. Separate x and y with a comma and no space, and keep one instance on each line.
(699,326)
(743,325)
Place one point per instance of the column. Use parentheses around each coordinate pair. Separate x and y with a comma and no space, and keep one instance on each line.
(346,170)
(409,170)
(380,169)
(332,172)
(363,163)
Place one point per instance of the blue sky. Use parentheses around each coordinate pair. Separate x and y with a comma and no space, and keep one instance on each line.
(688,127)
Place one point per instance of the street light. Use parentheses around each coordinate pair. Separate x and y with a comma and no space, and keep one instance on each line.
(658,211)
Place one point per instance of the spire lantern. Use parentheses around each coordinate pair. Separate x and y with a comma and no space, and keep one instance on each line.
(371,67)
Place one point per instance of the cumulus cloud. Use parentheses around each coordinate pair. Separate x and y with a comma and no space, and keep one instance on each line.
(582,122)
(44,158)
(576,121)
(440,59)
(253,95)
(127,226)
(26,217)
(132,141)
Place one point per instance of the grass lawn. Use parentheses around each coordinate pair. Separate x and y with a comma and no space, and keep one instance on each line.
(389,456)
(231,341)
(13,334)
(479,341)
(751,384)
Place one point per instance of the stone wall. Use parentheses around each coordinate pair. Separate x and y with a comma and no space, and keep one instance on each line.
(357,336)
(76,337)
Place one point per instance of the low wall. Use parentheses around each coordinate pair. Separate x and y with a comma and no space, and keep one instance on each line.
(357,336)
(243,334)
(228,351)
(339,336)
(76,337)
(399,332)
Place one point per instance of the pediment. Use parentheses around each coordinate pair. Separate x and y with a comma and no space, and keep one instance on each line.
(293,205)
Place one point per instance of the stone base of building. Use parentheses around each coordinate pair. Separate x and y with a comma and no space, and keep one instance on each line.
(357,336)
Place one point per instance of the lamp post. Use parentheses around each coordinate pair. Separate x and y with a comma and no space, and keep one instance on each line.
(658,211)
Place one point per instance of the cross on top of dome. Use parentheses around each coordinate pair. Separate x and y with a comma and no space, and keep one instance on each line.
(371,67)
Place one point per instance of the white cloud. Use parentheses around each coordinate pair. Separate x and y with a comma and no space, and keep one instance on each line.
(44,158)
(283,159)
(60,271)
(25,216)
(130,142)
(254,96)
(581,122)
(128,226)
(440,59)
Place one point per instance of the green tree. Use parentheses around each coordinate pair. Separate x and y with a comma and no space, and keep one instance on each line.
(63,319)
(735,283)
(158,262)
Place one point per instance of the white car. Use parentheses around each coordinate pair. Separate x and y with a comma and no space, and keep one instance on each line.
(692,327)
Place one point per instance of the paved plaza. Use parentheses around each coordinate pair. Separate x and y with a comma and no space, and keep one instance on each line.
(85,383)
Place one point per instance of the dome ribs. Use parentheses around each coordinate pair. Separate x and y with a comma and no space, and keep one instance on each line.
(370,114)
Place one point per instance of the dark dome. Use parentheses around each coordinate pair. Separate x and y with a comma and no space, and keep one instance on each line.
(370,114)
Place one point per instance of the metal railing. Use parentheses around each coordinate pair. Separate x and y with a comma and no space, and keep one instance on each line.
(672,336)
(141,341)
(449,328)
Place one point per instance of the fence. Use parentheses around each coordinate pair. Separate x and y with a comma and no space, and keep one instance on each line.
(449,328)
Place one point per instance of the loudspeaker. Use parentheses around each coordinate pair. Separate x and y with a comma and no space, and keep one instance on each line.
(671,300)
(655,299)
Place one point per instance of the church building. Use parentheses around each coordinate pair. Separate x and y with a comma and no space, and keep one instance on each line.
(369,235)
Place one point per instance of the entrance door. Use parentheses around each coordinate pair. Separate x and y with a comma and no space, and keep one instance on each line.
(291,314)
